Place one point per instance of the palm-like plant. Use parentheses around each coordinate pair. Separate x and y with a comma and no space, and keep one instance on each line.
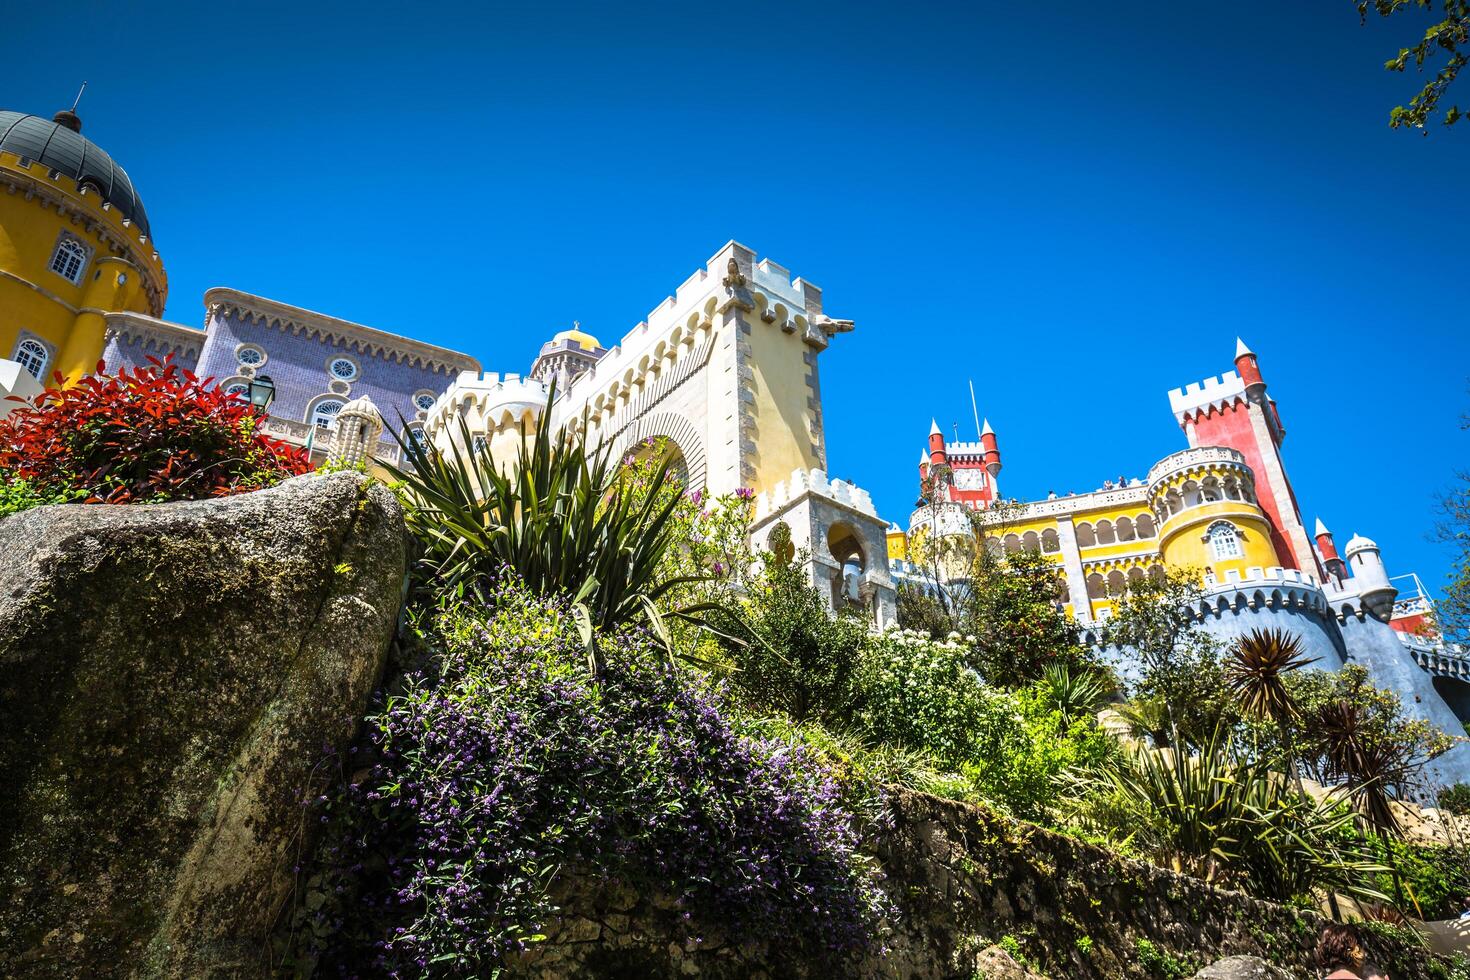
(1371,768)
(1073,692)
(1256,672)
(1216,816)
(558,516)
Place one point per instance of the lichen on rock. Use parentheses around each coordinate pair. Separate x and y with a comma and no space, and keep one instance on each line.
(169,676)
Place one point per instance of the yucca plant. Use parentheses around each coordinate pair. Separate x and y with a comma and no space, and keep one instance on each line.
(1372,769)
(1213,815)
(1075,692)
(1256,672)
(556,515)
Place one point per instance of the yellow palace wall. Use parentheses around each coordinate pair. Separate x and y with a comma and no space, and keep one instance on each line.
(35,211)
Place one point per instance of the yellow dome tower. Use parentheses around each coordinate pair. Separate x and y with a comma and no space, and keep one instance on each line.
(74,246)
(1208,515)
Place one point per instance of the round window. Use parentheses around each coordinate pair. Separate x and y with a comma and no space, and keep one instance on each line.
(342,367)
(250,356)
(424,402)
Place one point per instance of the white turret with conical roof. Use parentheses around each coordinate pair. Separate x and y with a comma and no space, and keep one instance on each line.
(1370,577)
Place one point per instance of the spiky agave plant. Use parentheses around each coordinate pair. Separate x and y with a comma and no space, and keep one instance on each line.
(558,516)
(1214,815)
(1256,672)
(1371,768)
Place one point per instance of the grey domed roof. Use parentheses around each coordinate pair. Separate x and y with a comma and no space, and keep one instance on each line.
(55,144)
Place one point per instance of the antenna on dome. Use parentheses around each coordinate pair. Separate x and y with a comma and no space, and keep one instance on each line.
(974,409)
(78,100)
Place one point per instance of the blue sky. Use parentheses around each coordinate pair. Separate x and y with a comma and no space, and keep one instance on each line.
(1076,205)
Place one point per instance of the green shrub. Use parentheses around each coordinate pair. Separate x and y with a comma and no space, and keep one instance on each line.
(558,515)
(19,495)
(511,762)
(803,661)
(1456,799)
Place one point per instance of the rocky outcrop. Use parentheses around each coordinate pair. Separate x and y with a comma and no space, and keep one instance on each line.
(169,678)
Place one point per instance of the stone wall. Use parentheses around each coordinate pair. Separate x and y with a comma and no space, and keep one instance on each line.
(965,879)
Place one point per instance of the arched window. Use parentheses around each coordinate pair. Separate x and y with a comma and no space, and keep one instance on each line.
(1210,490)
(1105,533)
(69,260)
(1085,537)
(238,388)
(1095,587)
(1049,542)
(324,414)
(1030,542)
(1064,593)
(1124,528)
(1116,582)
(1135,576)
(1013,544)
(1144,526)
(1224,540)
(32,355)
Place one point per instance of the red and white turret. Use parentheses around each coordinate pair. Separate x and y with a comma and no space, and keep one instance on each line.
(1247,367)
(937,456)
(992,450)
(1327,549)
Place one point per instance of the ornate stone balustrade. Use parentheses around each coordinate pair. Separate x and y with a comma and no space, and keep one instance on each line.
(1189,458)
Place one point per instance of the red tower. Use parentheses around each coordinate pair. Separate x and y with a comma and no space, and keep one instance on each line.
(1235,411)
(1332,564)
(970,468)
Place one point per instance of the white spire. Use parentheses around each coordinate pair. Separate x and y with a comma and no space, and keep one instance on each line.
(934,428)
(923,458)
(986,430)
(1241,350)
(1321,529)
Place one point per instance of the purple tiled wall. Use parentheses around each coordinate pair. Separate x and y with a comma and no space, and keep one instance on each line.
(132,351)
(297,365)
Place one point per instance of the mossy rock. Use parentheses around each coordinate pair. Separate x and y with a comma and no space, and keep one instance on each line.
(171,678)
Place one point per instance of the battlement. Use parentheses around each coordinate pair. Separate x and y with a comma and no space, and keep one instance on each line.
(1200,397)
(814,482)
(692,307)
(487,392)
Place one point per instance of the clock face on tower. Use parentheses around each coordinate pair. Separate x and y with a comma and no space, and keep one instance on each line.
(969,479)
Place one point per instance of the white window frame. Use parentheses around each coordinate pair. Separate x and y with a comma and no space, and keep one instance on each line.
(27,348)
(1221,546)
(252,348)
(329,419)
(424,394)
(67,251)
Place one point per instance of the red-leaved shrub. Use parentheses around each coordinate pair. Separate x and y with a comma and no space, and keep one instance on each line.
(151,434)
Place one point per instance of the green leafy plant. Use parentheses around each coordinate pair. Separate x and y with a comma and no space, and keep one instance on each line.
(557,514)
(19,495)
(805,660)
(1074,692)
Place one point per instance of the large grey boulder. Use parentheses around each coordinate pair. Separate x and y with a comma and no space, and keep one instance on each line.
(1242,968)
(171,678)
